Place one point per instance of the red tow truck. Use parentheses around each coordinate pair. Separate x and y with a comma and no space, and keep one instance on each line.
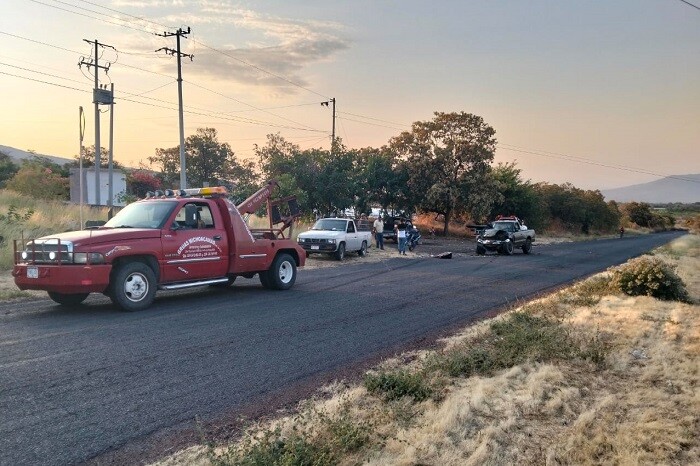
(170,240)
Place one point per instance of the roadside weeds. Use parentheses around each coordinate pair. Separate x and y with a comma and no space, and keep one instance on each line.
(584,376)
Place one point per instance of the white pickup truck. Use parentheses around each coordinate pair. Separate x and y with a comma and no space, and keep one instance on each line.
(335,236)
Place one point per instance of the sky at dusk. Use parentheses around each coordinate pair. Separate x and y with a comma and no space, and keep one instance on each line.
(598,93)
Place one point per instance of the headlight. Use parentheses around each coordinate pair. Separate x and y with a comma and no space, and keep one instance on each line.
(25,255)
(82,258)
(330,241)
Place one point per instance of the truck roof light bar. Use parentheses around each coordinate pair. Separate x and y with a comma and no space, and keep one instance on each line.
(207,191)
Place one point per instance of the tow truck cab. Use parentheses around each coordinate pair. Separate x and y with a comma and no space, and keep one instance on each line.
(170,240)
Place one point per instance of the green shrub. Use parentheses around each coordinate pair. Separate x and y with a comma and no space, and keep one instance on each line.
(468,362)
(650,276)
(588,292)
(272,449)
(523,336)
(316,439)
(395,385)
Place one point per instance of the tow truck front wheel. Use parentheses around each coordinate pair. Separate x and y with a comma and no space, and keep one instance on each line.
(68,299)
(282,274)
(133,286)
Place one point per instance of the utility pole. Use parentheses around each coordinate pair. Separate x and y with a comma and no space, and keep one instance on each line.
(96,100)
(179,33)
(81,129)
(110,164)
(325,104)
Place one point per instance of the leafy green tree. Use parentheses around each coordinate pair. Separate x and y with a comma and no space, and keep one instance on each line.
(449,159)
(321,180)
(41,182)
(577,209)
(382,179)
(7,168)
(207,161)
(89,159)
(517,196)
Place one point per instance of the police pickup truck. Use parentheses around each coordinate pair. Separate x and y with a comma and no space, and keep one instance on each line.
(504,235)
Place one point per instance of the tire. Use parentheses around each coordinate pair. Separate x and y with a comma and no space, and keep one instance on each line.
(133,286)
(68,299)
(282,273)
(340,253)
(527,247)
(480,250)
(507,248)
(363,250)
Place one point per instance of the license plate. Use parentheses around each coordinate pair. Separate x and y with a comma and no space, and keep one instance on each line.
(32,272)
(314,247)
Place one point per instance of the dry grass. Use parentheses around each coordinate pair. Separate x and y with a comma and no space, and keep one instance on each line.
(48,217)
(638,405)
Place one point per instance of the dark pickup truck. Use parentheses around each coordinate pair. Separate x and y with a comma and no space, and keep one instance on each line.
(504,235)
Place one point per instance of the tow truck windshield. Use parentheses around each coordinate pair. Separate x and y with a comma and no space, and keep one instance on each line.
(143,214)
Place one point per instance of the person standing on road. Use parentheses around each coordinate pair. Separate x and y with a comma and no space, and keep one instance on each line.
(378,229)
(622,231)
(401,236)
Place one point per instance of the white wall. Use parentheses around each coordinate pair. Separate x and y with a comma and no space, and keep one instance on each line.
(89,186)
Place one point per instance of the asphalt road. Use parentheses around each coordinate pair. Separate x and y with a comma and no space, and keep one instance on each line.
(89,383)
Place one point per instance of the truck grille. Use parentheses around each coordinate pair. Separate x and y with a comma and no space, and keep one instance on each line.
(49,251)
(314,240)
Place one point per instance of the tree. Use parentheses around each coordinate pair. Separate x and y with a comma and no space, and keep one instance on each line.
(382,179)
(517,197)
(449,160)
(40,182)
(89,159)
(207,161)
(7,168)
(139,182)
(321,180)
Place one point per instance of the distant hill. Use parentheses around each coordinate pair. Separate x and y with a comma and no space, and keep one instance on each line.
(20,155)
(679,188)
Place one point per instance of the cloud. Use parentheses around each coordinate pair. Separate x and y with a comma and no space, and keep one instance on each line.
(282,46)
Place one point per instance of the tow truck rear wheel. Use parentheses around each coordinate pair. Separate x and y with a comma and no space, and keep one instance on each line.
(363,250)
(64,299)
(527,247)
(282,273)
(133,286)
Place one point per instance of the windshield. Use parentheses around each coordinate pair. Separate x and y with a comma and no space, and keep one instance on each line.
(330,224)
(143,214)
(507,226)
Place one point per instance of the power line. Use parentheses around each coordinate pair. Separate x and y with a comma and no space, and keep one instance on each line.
(140,18)
(39,42)
(88,16)
(262,70)
(40,72)
(44,82)
(374,119)
(369,123)
(688,3)
(250,105)
(572,158)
